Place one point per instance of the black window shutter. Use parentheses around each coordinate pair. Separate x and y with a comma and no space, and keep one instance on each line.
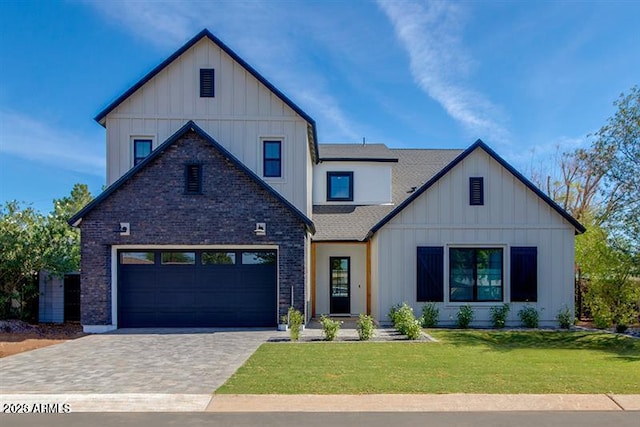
(207,82)
(430,283)
(524,274)
(476,191)
(193,178)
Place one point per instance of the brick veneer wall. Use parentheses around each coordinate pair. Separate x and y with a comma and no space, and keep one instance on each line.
(154,202)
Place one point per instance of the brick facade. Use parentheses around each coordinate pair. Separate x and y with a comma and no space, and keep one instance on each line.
(154,202)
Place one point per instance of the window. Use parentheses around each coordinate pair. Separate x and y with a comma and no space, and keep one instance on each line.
(259,258)
(141,149)
(476,191)
(178,258)
(207,83)
(475,274)
(430,274)
(340,186)
(524,274)
(193,178)
(214,258)
(138,258)
(272,161)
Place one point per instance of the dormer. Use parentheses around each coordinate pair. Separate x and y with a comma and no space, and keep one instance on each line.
(354,174)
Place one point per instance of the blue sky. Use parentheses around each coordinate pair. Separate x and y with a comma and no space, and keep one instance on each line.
(525,77)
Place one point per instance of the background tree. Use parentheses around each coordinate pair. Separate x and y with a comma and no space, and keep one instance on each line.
(31,242)
(600,187)
(619,144)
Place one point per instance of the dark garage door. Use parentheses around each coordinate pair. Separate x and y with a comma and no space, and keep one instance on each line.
(196,288)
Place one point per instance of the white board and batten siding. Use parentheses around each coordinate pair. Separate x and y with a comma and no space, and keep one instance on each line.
(512,215)
(371,182)
(242,114)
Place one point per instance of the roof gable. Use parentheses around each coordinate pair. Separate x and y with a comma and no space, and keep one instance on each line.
(313,135)
(482,146)
(189,126)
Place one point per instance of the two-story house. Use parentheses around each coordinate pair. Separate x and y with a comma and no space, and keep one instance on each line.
(223,210)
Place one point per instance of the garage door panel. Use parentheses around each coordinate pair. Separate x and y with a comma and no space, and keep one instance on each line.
(219,291)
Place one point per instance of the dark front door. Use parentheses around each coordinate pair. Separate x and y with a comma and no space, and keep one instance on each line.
(340,302)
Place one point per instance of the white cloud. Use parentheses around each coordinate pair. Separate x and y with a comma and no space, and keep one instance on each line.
(263,33)
(431,33)
(32,139)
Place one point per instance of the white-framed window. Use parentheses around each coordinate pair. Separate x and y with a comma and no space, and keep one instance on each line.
(272,153)
(141,147)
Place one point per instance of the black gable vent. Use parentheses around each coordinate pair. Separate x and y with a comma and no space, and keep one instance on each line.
(476,191)
(207,82)
(193,178)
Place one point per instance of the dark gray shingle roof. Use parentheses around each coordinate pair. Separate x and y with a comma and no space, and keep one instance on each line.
(413,169)
(356,152)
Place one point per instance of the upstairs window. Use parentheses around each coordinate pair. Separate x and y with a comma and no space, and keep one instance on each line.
(141,149)
(340,186)
(476,191)
(193,178)
(272,159)
(207,83)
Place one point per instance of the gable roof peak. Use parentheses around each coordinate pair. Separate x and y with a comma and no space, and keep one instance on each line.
(205,33)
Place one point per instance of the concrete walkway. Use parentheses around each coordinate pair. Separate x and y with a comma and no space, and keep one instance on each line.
(324,403)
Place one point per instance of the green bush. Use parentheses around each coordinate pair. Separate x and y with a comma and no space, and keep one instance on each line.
(621,328)
(465,316)
(365,327)
(499,315)
(330,328)
(430,315)
(295,323)
(403,318)
(413,330)
(529,316)
(565,318)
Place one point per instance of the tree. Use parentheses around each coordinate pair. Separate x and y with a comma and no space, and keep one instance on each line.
(619,144)
(31,242)
(609,266)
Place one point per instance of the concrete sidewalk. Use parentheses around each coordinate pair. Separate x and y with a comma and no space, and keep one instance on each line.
(146,402)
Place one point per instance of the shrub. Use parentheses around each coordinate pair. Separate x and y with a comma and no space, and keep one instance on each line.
(413,329)
(365,327)
(499,315)
(465,316)
(295,324)
(393,313)
(330,328)
(565,318)
(529,316)
(430,314)
(403,318)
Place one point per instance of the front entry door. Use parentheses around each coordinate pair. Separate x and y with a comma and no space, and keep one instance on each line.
(340,302)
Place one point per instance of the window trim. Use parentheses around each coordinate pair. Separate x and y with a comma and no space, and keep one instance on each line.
(203,73)
(134,140)
(331,174)
(266,141)
(503,272)
(187,167)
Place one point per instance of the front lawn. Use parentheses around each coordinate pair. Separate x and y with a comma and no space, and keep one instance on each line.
(461,362)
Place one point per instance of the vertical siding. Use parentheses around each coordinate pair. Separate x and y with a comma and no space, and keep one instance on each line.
(511,216)
(242,112)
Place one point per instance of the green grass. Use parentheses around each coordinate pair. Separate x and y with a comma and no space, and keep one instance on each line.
(461,362)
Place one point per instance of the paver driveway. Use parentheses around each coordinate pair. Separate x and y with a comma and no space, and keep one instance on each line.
(133,361)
